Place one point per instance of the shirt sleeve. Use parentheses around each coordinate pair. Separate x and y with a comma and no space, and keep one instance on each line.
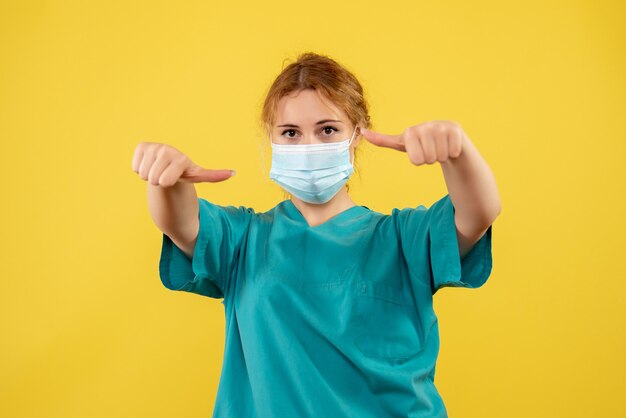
(431,250)
(220,238)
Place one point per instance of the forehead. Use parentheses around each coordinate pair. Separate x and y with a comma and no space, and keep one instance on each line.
(306,106)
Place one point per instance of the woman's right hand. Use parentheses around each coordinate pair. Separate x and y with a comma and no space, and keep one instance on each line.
(164,165)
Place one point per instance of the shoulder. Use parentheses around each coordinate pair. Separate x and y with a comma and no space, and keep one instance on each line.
(239,212)
(442,204)
(419,217)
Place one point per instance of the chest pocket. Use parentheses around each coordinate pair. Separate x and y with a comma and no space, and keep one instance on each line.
(386,324)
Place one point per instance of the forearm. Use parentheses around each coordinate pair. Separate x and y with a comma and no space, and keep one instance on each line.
(175,211)
(472,188)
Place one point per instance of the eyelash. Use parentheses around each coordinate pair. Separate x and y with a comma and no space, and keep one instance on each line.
(323,129)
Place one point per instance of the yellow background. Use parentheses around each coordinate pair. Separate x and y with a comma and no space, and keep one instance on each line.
(88,330)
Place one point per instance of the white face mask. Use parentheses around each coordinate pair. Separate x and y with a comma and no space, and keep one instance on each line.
(313,173)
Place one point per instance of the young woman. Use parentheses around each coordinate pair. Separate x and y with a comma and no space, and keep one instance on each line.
(328,304)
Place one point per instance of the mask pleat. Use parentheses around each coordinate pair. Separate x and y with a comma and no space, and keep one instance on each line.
(312,172)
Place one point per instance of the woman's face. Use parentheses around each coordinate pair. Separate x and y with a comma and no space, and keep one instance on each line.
(306,117)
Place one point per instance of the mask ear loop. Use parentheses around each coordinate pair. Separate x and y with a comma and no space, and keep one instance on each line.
(350,143)
(352,137)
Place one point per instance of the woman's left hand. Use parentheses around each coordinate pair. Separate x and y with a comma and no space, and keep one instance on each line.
(428,142)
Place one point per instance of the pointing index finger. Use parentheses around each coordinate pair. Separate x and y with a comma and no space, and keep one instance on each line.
(383,140)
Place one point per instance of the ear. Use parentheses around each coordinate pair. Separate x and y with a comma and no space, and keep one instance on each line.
(356,138)
(358,135)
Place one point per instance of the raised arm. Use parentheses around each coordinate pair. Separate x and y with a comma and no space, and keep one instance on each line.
(172,198)
(174,211)
(471,184)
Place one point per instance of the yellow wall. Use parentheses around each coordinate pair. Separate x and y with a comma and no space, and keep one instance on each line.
(87,329)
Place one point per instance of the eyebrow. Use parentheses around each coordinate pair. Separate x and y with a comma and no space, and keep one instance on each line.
(291,125)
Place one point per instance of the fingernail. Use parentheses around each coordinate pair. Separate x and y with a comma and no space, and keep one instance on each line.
(233,172)
(363,130)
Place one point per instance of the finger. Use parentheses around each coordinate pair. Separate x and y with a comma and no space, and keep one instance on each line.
(382,140)
(146,163)
(441,148)
(137,155)
(414,151)
(428,145)
(157,169)
(171,174)
(455,143)
(198,174)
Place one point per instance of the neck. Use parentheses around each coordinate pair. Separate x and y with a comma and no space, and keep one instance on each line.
(316,214)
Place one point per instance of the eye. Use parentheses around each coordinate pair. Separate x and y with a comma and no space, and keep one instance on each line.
(329,130)
(289,130)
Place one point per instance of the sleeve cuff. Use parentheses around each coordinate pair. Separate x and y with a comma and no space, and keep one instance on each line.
(448,269)
(178,272)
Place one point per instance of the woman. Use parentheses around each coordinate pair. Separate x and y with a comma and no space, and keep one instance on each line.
(328,304)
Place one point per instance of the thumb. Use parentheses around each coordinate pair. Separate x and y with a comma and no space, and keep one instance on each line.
(383,140)
(199,175)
